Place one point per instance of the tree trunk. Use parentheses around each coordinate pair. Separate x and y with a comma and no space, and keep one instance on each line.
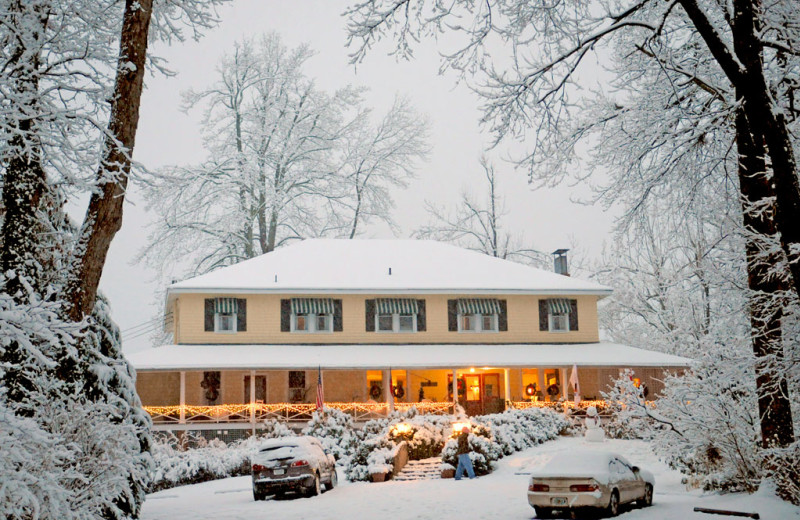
(25,181)
(766,290)
(104,215)
(766,121)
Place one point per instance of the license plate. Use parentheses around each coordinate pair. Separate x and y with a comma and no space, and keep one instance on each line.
(278,472)
(558,501)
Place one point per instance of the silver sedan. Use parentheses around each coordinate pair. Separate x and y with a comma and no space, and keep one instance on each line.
(588,479)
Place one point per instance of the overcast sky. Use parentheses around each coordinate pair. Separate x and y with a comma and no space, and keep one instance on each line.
(166,136)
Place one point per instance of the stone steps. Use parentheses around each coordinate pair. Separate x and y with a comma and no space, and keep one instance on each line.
(427,469)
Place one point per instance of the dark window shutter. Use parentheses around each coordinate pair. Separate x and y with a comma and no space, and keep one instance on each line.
(543,315)
(241,315)
(369,315)
(286,315)
(502,320)
(337,315)
(421,321)
(573,315)
(452,316)
(209,318)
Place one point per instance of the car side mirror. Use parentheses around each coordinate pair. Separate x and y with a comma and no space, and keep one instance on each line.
(635,469)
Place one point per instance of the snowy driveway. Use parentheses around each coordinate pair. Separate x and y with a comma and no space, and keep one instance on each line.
(500,495)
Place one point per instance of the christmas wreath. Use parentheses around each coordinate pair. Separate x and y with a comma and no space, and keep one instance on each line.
(398,391)
(375,391)
(552,390)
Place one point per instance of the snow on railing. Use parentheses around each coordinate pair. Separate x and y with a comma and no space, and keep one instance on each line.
(243,413)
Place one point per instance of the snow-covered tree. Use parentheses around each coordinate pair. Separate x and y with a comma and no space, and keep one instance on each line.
(477,223)
(684,78)
(71,78)
(286,161)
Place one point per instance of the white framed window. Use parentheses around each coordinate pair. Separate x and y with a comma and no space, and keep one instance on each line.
(474,322)
(225,322)
(559,322)
(312,322)
(396,322)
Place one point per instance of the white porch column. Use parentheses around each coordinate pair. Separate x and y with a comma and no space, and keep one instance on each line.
(507,383)
(182,419)
(564,384)
(253,401)
(540,382)
(455,388)
(387,389)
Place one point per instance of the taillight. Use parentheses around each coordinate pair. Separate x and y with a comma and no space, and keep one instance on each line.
(258,467)
(584,488)
(539,488)
(299,463)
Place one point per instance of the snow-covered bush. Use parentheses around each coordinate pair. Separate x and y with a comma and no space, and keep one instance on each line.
(483,450)
(515,430)
(176,464)
(337,432)
(425,435)
(363,463)
(624,396)
(274,429)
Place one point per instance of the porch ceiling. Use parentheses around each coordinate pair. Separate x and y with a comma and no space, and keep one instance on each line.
(280,357)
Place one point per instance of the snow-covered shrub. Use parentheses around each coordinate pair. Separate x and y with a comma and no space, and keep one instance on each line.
(624,395)
(337,432)
(177,464)
(515,430)
(274,429)
(425,435)
(209,460)
(363,463)
(484,451)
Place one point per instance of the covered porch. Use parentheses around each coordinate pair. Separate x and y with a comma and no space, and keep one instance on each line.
(240,386)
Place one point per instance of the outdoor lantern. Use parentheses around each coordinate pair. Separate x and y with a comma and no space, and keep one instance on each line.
(402,429)
(457,427)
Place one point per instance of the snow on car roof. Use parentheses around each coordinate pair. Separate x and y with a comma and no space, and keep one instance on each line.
(317,266)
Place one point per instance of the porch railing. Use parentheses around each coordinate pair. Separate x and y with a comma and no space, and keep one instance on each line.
(244,413)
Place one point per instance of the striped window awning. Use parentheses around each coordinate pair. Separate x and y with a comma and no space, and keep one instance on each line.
(559,305)
(312,305)
(226,305)
(396,306)
(478,306)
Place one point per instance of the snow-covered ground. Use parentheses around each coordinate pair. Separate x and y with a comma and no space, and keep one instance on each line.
(499,495)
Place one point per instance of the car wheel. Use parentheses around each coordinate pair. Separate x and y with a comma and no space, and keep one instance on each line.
(613,504)
(333,482)
(314,490)
(543,512)
(647,499)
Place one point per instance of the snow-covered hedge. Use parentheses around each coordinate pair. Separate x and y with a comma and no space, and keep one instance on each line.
(175,464)
(516,430)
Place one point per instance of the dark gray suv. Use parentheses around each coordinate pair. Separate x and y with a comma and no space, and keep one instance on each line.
(298,464)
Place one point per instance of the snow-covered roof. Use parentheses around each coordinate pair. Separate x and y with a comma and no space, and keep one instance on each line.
(251,357)
(383,266)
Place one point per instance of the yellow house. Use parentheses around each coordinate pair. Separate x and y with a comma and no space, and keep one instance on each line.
(383,324)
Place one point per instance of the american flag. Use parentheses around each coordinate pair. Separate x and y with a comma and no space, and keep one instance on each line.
(320,394)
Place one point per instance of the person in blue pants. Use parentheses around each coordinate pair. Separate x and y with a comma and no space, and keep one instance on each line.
(464,462)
